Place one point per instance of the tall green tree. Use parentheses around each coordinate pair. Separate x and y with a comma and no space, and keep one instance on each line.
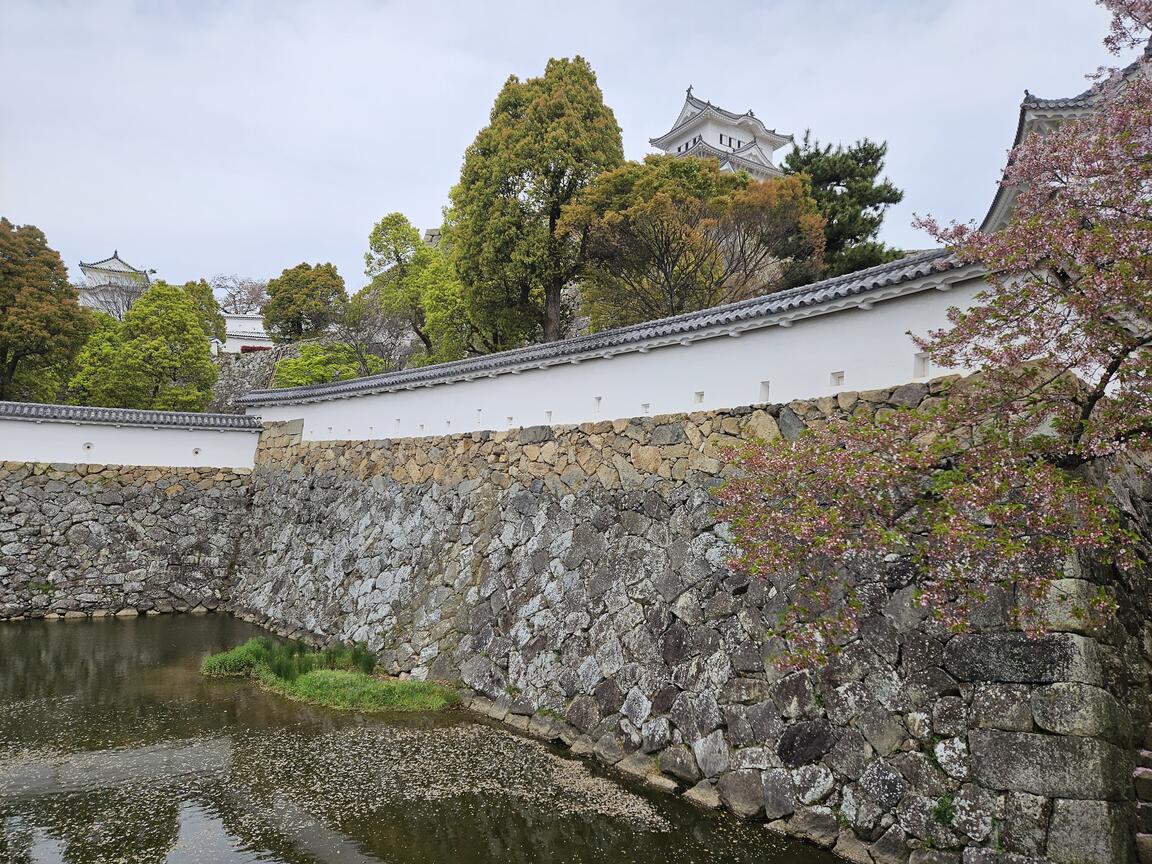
(207,309)
(434,285)
(547,138)
(303,302)
(847,187)
(41,323)
(158,357)
(672,235)
(392,246)
(418,284)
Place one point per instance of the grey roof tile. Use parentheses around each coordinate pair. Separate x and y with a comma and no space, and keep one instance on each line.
(126,417)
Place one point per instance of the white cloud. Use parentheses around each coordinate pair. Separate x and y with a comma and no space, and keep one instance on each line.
(245,137)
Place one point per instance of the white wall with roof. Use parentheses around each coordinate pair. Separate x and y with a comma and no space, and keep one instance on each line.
(243,331)
(862,347)
(29,440)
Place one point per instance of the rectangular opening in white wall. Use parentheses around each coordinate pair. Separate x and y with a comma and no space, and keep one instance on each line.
(547,416)
(765,390)
(596,406)
(644,407)
(509,421)
(836,379)
(921,365)
(698,397)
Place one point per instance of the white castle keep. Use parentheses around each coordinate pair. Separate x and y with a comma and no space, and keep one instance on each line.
(739,142)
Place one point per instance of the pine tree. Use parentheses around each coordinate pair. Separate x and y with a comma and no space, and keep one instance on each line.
(853,200)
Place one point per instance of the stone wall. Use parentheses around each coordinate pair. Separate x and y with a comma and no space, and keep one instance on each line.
(103,539)
(240,374)
(574,579)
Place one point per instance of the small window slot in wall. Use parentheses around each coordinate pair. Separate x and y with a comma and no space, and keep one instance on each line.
(509,421)
(698,397)
(644,407)
(765,390)
(921,365)
(836,379)
(596,406)
(547,416)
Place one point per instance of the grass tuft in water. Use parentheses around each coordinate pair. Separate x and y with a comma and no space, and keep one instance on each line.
(336,677)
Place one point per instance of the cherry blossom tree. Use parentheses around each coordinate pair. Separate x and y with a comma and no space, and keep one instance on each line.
(984,495)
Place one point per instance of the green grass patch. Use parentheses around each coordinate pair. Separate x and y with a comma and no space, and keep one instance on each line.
(336,677)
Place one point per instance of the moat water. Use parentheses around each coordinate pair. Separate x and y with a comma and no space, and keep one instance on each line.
(113,748)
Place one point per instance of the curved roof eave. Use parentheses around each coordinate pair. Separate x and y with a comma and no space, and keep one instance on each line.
(934,268)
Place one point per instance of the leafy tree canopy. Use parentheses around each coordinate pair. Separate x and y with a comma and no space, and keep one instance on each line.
(321,362)
(418,284)
(848,191)
(158,357)
(672,235)
(547,138)
(303,302)
(207,309)
(41,323)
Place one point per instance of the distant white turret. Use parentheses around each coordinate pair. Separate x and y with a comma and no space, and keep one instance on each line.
(112,285)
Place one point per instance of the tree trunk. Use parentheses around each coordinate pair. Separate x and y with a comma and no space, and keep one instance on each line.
(552,313)
(8,375)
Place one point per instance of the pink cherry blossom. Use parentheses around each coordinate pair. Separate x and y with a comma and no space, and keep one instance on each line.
(980,500)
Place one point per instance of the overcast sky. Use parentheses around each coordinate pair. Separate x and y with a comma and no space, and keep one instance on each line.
(205,137)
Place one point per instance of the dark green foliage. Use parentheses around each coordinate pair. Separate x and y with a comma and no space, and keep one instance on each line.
(303,302)
(945,810)
(849,192)
(547,138)
(41,323)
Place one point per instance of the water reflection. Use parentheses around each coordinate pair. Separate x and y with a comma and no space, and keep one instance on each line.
(114,749)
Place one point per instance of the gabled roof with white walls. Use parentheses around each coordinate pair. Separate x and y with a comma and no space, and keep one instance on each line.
(1038,115)
(921,271)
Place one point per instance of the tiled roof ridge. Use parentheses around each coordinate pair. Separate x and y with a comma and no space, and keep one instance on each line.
(1085,98)
(125,416)
(115,256)
(910,267)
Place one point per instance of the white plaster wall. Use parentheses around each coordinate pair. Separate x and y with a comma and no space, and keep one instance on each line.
(55,441)
(233,344)
(871,347)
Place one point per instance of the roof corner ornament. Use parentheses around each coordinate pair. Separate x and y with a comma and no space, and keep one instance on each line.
(689,91)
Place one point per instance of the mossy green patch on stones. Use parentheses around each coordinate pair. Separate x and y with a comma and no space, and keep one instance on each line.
(337,677)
